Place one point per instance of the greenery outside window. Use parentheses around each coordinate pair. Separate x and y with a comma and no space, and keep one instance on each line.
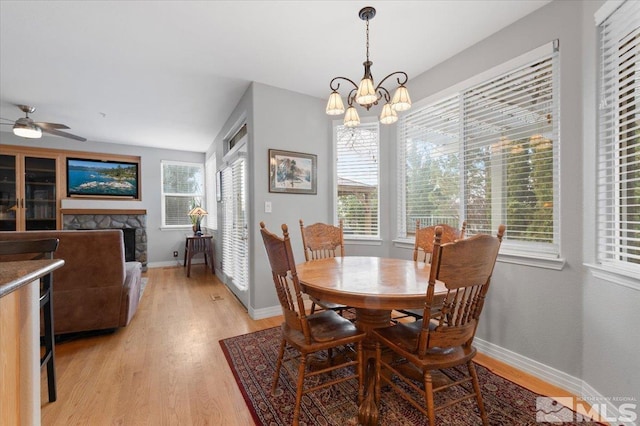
(182,190)
(357,177)
(487,154)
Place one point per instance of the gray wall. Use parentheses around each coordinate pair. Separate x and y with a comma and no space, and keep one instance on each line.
(161,243)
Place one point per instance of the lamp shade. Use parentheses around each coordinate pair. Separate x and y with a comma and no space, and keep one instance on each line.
(388,115)
(335,106)
(401,100)
(27,130)
(198,211)
(366,94)
(351,118)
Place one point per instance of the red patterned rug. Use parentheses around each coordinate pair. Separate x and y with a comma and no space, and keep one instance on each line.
(252,359)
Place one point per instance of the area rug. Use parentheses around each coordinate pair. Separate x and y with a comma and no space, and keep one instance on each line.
(252,359)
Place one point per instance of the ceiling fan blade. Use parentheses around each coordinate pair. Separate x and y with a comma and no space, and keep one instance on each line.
(63,134)
(52,126)
(6,124)
(6,119)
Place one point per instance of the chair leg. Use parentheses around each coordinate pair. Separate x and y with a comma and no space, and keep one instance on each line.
(428,390)
(300,387)
(476,388)
(276,375)
(360,356)
(313,307)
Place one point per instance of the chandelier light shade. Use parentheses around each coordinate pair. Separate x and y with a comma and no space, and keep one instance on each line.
(335,106)
(367,94)
(351,117)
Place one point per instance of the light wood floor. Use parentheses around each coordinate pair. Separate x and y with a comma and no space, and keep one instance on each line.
(166,367)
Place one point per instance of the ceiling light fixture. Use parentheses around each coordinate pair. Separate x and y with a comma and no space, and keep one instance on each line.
(366,93)
(25,128)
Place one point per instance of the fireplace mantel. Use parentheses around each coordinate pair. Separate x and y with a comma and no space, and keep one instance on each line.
(103,211)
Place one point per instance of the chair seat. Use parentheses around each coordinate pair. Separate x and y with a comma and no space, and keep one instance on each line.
(403,339)
(328,329)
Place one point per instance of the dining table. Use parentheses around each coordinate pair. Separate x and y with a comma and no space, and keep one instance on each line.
(374,286)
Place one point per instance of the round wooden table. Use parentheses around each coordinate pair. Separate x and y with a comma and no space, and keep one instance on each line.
(374,286)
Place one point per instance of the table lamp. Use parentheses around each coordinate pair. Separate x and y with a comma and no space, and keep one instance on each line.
(196,215)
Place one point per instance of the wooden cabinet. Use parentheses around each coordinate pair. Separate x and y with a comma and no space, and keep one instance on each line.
(29,191)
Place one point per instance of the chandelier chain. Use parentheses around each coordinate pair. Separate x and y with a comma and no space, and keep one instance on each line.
(367,40)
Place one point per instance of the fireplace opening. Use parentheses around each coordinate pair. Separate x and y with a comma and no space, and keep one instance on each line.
(129,235)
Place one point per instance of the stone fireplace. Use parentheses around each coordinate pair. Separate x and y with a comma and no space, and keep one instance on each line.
(135,220)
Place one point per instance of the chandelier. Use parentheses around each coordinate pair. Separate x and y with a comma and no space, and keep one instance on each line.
(366,94)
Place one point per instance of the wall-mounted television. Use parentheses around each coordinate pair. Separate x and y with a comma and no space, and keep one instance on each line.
(102,178)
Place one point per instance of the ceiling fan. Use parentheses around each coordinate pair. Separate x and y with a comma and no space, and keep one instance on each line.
(27,128)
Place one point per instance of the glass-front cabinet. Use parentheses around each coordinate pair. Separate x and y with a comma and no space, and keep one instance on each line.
(28,192)
(9,202)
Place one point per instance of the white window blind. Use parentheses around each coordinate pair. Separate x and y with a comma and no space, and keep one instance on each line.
(211,220)
(234,230)
(182,190)
(430,163)
(357,175)
(619,139)
(487,154)
(510,154)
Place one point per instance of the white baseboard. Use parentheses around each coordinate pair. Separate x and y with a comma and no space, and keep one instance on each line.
(263,313)
(553,376)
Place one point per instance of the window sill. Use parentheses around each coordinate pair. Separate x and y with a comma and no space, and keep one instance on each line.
(510,256)
(363,242)
(622,277)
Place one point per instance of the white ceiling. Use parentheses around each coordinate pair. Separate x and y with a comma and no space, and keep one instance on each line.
(168,73)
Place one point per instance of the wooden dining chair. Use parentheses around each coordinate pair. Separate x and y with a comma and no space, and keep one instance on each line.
(445,339)
(39,249)
(423,245)
(318,332)
(321,241)
(422,249)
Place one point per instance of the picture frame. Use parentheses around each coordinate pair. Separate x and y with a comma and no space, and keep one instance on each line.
(292,172)
(102,178)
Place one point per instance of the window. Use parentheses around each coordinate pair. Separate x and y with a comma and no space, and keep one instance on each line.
(618,172)
(182,189)
(357,173)
(487,154)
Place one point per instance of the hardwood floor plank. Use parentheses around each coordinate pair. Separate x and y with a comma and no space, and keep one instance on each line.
(166,366)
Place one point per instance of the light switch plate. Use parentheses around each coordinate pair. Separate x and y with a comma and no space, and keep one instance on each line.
(267,206)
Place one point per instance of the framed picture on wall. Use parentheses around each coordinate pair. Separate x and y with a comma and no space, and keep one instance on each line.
(292,172)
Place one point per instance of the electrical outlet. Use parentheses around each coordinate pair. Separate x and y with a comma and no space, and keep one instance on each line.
(175,254)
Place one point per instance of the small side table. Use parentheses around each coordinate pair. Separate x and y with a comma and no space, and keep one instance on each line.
(195,244)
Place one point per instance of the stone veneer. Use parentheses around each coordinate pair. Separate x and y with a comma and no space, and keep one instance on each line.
(113,221)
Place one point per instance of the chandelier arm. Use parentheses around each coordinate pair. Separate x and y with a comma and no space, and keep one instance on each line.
(406,78)
(338,84)
(383,93)
(351,97)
